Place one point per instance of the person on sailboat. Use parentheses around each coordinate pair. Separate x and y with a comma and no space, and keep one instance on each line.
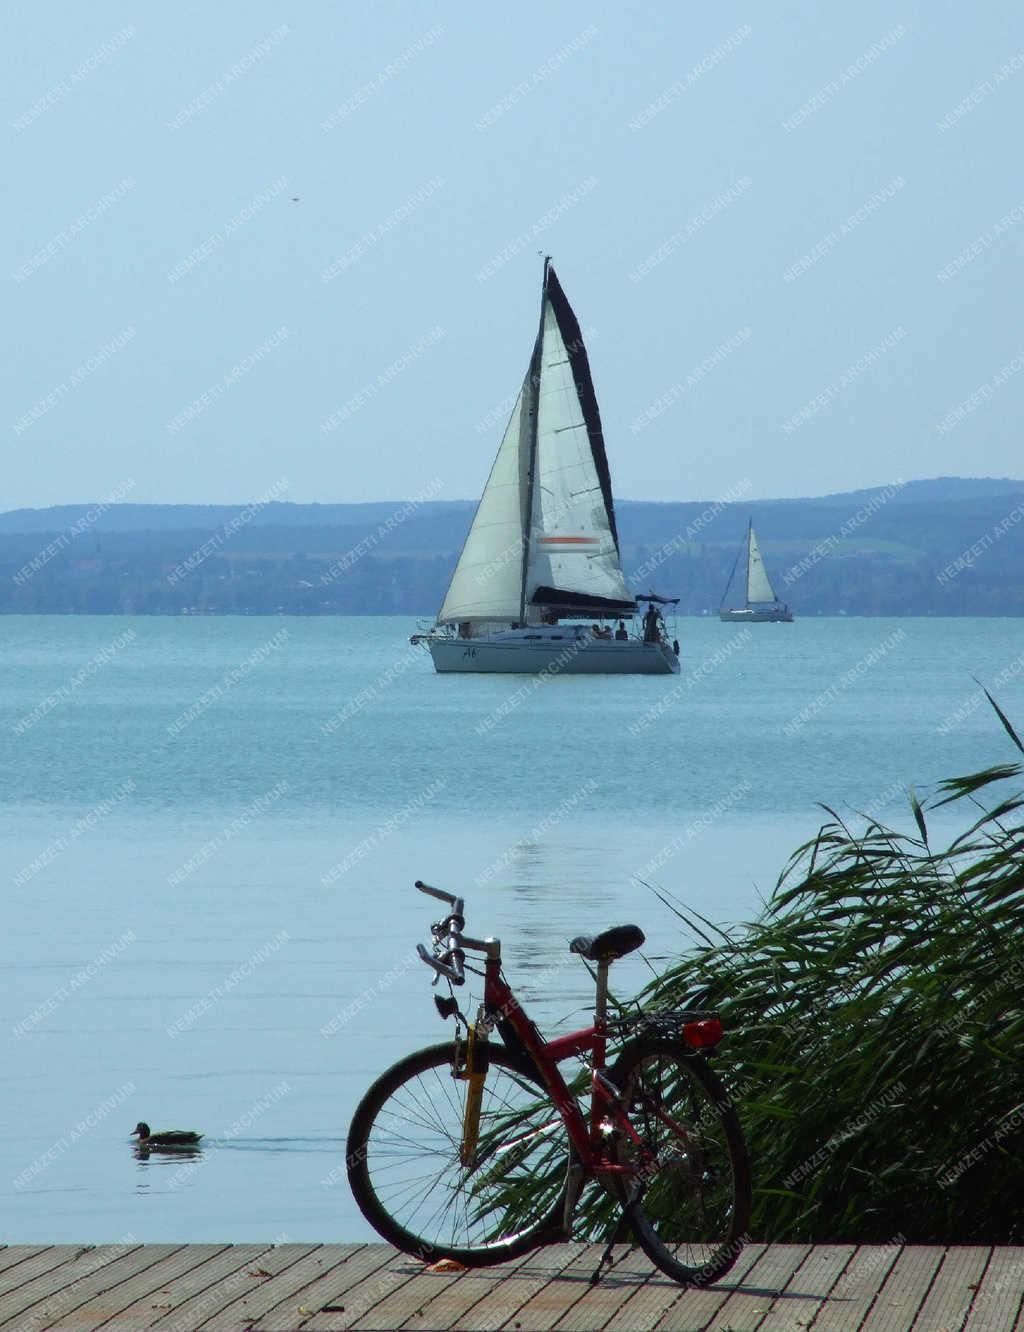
(621,635)
(652,616)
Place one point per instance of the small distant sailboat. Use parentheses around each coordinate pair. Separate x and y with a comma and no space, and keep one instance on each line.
(761,605)
(543,547)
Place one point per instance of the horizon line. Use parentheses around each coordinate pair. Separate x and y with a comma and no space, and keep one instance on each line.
(624,499)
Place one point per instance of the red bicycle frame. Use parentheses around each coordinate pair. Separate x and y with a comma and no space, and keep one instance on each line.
(501,1004)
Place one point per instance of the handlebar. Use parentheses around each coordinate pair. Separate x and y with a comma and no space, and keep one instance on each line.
(452,969)
(448,957)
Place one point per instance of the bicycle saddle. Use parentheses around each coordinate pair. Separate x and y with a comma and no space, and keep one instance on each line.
(609,945)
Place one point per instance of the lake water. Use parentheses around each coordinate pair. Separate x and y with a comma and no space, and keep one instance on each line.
(212,828)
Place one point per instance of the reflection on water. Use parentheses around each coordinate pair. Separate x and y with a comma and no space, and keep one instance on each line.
(326,1144)
(143,1152)
(560,890)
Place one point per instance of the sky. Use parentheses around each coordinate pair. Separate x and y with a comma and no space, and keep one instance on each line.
(260,250)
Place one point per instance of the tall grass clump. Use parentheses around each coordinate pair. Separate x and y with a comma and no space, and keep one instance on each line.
(875,1026)
(874,1019)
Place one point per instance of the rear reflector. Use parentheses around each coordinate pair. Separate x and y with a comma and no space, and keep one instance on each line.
(704,1034)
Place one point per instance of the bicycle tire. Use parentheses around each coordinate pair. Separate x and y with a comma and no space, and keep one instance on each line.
(404,1169)
(690,1204)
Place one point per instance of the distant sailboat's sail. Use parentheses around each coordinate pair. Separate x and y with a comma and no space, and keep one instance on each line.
(759,587)
(487,582)
(573,550)
(544,532)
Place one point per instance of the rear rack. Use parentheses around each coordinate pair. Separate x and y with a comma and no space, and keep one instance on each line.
(666,1023)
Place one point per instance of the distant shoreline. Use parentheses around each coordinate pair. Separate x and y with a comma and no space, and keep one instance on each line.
(944,547)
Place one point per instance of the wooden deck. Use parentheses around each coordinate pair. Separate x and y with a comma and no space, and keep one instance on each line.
(178,1288)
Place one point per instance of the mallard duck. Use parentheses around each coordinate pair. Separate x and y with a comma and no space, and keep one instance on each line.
(170,1138)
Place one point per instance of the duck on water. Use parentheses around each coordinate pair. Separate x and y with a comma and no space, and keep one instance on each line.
(169,1138)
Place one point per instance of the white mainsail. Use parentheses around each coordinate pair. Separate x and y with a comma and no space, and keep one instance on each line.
(759,587)
(571,546)
(487,582)
(544,531)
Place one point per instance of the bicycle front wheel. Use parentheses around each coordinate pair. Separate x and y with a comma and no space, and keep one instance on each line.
(689,1203)
(405,1170)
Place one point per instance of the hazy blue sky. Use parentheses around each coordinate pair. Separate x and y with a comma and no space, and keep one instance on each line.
(756,211)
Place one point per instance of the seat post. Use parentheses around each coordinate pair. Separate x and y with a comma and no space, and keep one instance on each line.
(601,1002)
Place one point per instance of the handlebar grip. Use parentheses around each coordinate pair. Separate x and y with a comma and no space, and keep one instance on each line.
(439,893)
(456,903)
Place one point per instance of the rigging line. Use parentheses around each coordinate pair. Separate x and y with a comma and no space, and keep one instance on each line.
(731,573)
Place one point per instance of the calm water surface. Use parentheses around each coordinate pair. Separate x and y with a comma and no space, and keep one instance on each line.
(212,827)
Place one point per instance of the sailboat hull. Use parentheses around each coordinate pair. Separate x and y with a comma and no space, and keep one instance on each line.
(770,615)
(588,657)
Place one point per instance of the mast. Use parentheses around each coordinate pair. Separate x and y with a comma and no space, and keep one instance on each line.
(750,534)
(534,410)
(732,575)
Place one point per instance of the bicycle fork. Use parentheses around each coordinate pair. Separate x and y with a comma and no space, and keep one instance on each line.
(474,1074)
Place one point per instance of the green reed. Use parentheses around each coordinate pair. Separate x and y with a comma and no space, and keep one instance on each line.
(874,1018)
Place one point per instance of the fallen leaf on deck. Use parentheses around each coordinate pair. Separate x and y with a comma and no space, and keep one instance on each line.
(446,1265)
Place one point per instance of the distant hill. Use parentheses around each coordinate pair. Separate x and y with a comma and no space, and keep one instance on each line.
(948,546)
(939,488)
(128,517)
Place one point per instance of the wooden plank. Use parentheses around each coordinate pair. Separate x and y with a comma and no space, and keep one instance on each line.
(696,1308)
(294,1266)
(997,1301)
(608,1301)
(359,1283)
(197,1293)
(25,1282)
(16,1304)
(559,1295)
(857,1289)
(12,1254)
(35,1265)
(904,1290)
(952,1292)
(333,1270)
(234,1308)
(455,1295)
(131,1301)
(746,1308)
(426,1288)
(222,1288)
(500,1305)
(809,1288)
(60,1295)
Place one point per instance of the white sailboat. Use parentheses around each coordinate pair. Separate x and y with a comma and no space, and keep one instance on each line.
(543,549)
(761,605)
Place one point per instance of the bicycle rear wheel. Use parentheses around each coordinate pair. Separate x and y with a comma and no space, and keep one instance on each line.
(690,1201)
(405,1172)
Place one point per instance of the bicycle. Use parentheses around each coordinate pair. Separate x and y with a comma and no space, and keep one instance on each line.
(479,1152)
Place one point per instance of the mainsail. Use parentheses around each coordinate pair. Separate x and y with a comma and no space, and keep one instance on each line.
(544,535)
(759,587)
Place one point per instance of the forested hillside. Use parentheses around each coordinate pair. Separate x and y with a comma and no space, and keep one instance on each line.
(949,546)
